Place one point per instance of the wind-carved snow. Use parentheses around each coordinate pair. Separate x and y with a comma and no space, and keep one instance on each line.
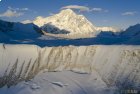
(117,65)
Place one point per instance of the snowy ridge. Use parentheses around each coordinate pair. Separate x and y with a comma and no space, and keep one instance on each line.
(119,65)
(132,31)
(106,29)
(18,32)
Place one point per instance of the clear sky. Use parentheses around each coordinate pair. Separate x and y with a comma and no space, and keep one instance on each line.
(117,13)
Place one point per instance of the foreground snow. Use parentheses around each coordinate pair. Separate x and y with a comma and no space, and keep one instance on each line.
(65,82)
(99,66)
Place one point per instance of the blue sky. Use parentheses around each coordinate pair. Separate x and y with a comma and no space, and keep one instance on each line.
(116,13)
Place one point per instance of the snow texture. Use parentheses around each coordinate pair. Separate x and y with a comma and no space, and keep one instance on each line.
(116,65)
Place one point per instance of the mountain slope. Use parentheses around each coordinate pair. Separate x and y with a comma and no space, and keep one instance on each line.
(132,31)
(68,21)
(11,31)
(132,34)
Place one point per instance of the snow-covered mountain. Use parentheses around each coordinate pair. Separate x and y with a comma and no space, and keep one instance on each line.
(132,31)
(132,34)
(67,21)
(6,26)
(66,25)
(11,31)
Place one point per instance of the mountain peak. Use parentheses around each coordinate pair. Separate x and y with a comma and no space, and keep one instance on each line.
(67,20)
(67,12)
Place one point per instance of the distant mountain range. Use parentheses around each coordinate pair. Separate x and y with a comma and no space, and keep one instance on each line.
(12,31)
(65,26)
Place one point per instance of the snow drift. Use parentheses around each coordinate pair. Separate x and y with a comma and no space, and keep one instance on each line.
(116,65)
